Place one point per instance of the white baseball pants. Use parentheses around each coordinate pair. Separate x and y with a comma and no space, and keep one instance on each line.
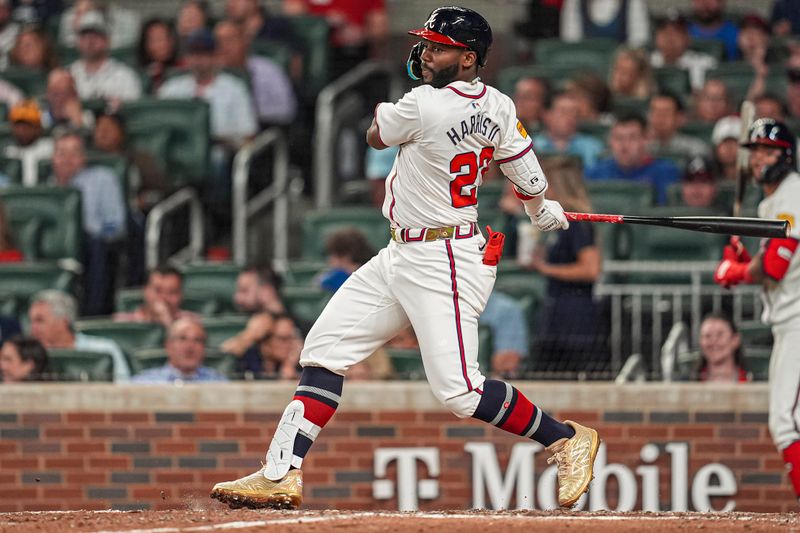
(784,385)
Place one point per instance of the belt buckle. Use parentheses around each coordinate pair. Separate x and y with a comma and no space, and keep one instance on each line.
(435,234)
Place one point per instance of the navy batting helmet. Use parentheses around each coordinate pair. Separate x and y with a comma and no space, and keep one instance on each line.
(775,134)
(458,26)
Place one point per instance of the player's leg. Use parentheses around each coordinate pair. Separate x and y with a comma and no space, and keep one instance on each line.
(359,319)
(784,387)
(444,293)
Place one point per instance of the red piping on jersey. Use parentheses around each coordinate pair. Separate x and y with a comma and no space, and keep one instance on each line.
(454,287)
(465,95)
(391,191)
(515,157)
(378,126)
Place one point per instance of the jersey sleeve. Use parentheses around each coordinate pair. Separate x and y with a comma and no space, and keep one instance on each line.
(515,141)
(401,122)
(788,208)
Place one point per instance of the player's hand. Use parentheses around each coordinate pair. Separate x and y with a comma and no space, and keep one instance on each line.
(550,216)
(731,272)
(736,250)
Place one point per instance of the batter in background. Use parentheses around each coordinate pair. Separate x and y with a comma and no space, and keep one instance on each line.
(437,271)
(777,268)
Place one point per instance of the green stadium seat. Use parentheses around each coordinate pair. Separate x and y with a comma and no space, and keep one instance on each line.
(585,54)
(173,131)
(129,299)
(215,280)
(489,195)
(485,349)
(313,32)
(597,130)
(20,281)
(277,52)
(223,327)
(12,168)
(130,336)
(224,363)
(31,82)
(80,365)
(407,363)
(701,130)
(305,303)
(756,361)
(656,243)
(673,79)
(318,225)
(46,221)
(302,272)
(755,334)
(556,74)
(737,77)
(624,105)
(620,196)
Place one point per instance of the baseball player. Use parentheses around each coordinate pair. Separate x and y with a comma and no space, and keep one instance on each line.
(777,268)
(437,271)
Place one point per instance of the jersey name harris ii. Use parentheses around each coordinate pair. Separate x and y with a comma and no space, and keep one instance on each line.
(447,139)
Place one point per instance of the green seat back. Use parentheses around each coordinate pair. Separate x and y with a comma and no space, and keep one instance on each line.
(46,221)
(12,168)
(216,280)
(31,82)
(223,327)
(5,134)
(701,130)
(318,225)
(80,365)
(305,303)
(755,334)
(588,53)
(407,363)
(302,272)
(130,336)
(174,131)
(556,74)
(625,105)
(712,47)
(620,196)
(756,361)
(673,79)
(485,349)
(277,52)
(20,281)
(737,77)
(489,195)
(313,32)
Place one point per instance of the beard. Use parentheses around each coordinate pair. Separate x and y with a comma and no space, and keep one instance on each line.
(444,76)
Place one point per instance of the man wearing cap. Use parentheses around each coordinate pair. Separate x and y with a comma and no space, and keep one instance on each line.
(699,185)
(30,145)
(672,50)
(96,74)
(123,24)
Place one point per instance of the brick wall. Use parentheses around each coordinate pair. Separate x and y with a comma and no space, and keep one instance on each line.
(170,455)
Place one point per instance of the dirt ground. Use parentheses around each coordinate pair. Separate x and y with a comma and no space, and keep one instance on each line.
(368,522)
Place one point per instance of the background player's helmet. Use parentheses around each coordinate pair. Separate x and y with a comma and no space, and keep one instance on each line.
(770,132)
(458,26)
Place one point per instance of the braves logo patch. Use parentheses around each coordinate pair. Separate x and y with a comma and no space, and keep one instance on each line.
(788,218)
(521,130)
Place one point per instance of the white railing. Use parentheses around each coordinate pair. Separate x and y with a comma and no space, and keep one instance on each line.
(182,198)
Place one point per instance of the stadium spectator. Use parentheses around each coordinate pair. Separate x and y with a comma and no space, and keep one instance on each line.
(708,22)
(104,210)
(593,95)
(754,44)
(624,21)
(793,85)
(122,24)
(630,75)
(560,135)
(377,166)
(157,51)
(272,90)
(9,326)
(9,253)
(23,359)
(712,102)
(770,105)
(193,16)
(277,354)
(9,30)
(631,161)
(163,296)
(257,294)
(568,335)
(531,98)
(186,352)
(359,28)
(506,320)
(63,105)
(725,137)
(672,50)
(9,94)
(721,355)
(96,74)
(52,315)
(30,145)
(347,249)
(664,118)
(36,12)
(785,18)
(699,184)
(33,50)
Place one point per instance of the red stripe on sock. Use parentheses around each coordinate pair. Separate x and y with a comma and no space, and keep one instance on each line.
(316,412)
(518,420)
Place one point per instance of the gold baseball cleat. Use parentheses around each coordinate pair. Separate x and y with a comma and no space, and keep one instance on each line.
(257,492)
(575,460)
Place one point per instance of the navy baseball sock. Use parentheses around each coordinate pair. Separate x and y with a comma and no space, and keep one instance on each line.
(507,408)
(320,391)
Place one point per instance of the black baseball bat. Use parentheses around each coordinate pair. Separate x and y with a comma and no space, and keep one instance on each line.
(743,226)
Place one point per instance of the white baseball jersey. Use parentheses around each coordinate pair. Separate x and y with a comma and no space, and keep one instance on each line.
(447,139)
(782,300)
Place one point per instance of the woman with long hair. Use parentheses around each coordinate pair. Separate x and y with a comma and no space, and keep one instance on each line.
(721,354)
(631,75)
(23,359)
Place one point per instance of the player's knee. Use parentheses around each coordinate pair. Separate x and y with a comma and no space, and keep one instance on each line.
(463,405)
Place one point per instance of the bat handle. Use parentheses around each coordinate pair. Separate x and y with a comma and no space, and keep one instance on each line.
(593,217)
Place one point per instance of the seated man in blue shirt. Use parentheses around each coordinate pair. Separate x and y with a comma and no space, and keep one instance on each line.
(561,136)
(506,320)
(631,161)
(186,351)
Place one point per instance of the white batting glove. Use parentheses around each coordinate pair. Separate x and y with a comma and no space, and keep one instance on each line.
(550,216)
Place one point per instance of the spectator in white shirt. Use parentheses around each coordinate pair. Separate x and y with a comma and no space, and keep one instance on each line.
(272,90)
(8,32)
(123,24)
(96,74)
(672,50)
(30,145)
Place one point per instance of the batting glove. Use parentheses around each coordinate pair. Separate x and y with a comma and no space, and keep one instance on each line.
(414,63)
(550,216)
(736,250)
(731,272)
